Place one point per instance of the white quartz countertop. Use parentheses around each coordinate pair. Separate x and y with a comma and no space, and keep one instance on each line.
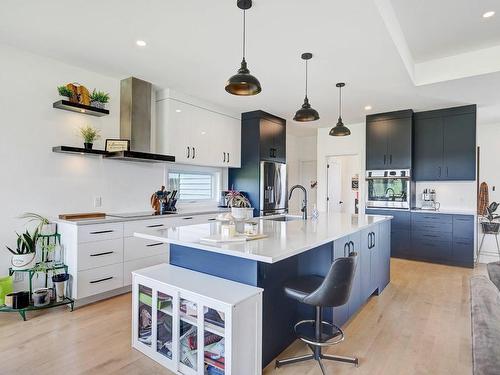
(284,238)
(118,218)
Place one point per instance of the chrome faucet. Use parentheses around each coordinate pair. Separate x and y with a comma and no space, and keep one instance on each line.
(304,201)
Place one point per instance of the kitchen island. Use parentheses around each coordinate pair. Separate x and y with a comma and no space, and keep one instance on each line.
(292,247)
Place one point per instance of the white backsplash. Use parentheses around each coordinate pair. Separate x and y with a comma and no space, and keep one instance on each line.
(452,195)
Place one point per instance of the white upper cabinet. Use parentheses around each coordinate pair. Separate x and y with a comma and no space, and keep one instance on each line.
(195,135)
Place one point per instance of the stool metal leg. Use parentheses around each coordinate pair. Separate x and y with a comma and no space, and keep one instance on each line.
(288,361)
(321,366)
(339,358)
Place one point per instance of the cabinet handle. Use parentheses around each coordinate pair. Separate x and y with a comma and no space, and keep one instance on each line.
(390,159)
(353,249)
(224,157)
(346,246)
(430,236)
(212,219)
(154,226)
(100,280)
(369,240)
(100,254)
(188,152)
(154,244)
(187,218)
(228,157)
(102,232)
(194,152)
(446,171)
(439,171)
(385,159)
(373,236)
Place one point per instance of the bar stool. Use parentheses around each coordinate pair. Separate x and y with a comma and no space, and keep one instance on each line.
(330,291)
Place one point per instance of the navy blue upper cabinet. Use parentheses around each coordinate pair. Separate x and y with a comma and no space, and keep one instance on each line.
(445,144)
(272,140)
(389,140)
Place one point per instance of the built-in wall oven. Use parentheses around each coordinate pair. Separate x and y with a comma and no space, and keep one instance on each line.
(389,189)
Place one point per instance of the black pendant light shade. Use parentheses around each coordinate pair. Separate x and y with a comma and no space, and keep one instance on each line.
(243,83)
(340,130)
(306,112)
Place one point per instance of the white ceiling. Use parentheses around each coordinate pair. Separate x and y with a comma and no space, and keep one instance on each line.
(440,28)
(194,46)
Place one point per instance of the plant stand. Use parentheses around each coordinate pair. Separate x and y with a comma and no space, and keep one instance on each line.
(51,267)
(482,241)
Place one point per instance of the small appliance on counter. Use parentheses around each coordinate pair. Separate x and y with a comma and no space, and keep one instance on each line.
(429,200)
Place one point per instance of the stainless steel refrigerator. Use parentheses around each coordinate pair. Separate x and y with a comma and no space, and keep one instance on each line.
(273,188)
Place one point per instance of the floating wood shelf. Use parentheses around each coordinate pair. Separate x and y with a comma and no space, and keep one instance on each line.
(80,108)
(78,150)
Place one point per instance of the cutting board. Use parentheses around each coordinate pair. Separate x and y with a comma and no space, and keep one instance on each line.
(89,215)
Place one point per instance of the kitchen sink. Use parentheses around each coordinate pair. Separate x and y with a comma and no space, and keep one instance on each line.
(286,218)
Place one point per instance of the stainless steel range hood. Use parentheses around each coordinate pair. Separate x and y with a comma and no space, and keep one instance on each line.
(135,122)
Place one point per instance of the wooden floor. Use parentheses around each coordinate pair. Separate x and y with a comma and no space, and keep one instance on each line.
(419,325)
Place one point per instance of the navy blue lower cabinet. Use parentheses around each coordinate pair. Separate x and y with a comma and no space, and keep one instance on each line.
(364,264)
(375,271)
(355,299)
(384,246)
(463,239)
(341,249)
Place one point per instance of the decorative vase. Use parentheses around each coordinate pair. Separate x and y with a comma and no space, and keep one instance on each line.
(88,146)
(97,104)
(242,213)
(21,262)
(60,282)
(41,297)
(48,229)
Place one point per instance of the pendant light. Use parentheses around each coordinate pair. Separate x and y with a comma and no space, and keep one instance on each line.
(306,113)
(340,130)
(243,83)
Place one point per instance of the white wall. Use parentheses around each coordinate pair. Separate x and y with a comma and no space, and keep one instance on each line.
(337,146)
(36,179)
(452,195)
(299,149)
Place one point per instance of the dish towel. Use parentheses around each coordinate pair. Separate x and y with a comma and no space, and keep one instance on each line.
(483,199)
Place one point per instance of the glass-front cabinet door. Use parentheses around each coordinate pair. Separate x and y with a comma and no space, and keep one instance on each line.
(214,357)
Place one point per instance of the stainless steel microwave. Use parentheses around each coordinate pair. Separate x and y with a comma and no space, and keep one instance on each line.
(389,189)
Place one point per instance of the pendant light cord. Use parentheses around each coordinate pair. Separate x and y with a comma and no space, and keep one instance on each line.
(340,102)
(244,33)
(306,78)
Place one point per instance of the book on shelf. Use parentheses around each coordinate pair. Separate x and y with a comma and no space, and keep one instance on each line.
(214,317)
(212,370)
(189,308)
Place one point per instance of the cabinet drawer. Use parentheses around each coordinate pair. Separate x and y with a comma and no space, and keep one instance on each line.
(400,242)
(432,222)
(196,219)
(463,226)
(426,235)
(431,249)
(130,227)
(463,249)
(137,264)
(136,248)
(100,253)
(99,280)
(100,232)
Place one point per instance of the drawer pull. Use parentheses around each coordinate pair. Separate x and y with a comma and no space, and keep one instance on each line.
(99,254)
(102,232)
(212,219)
(430,235)
(154,244)
(100,280)
(155,226)
(187,218)
(464,243)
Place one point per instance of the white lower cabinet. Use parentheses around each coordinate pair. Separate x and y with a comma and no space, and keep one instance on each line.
(100,280)
(194,323)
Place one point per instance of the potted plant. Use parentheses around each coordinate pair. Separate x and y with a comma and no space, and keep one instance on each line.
(490,226)
(89,135)
(240,205)
(99,99)
(60,281)
(44,226)
(23,257)
(65,92)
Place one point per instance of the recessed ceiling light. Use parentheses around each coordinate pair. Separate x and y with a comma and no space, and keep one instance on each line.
(141,43)
(489,14)
(178,110)
(368,107)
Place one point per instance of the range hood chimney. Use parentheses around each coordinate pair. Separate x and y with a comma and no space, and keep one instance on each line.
(135,122)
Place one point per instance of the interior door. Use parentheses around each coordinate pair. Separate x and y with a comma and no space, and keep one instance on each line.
(334,189)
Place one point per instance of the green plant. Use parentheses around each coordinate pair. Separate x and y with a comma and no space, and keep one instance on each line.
(34,217)
(89,134)
(26,243)
(64,91)
(237,199)
(490,211)
(99,96)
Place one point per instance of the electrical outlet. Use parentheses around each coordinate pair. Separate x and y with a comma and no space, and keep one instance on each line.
(97,202)
(18,277)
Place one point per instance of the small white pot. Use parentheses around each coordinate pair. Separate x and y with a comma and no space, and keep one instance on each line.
(48,229)
(242,213)
(21,262)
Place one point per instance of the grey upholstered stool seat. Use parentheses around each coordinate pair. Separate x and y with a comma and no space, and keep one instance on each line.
(330,291)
